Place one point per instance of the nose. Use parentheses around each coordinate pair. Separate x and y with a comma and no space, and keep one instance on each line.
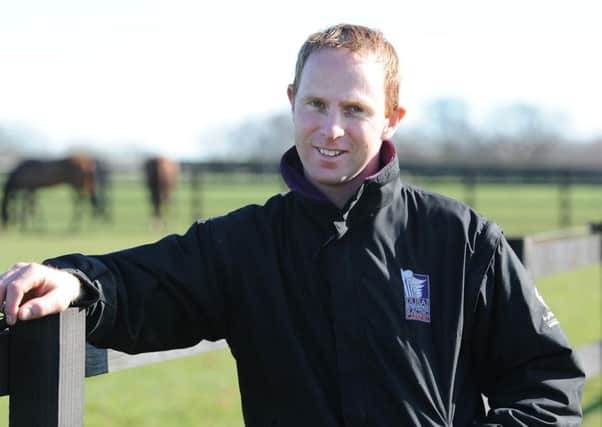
(332,126)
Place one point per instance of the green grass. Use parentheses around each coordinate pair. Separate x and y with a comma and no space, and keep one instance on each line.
(191,391)
(518,208)
(576,298)
(527,208)
(592,403)
(202,389)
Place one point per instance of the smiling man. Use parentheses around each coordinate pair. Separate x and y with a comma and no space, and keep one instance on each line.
(352,300)
(341,116)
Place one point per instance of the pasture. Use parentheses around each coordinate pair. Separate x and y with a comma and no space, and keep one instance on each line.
(202,389)
(518,208)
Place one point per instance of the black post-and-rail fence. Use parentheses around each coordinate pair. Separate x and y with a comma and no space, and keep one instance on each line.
(470,176)
(43,363)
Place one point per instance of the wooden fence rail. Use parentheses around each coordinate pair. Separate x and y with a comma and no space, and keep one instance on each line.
(43,362)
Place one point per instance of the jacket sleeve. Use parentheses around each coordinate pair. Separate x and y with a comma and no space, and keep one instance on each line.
(159,296)
(523,360)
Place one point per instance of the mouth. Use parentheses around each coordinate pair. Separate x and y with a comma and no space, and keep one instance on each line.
(329,153)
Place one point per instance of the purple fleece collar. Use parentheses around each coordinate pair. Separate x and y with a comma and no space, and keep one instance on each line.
(291,170)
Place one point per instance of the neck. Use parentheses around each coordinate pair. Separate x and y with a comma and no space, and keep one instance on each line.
(295,178)
(340,193)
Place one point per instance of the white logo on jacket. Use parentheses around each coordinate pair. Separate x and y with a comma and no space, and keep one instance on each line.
(549,318)
(417,292)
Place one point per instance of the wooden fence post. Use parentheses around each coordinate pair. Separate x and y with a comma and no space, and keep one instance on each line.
(469,179)
(196,182)
(564,199)
(4,346)
(46,382)
(518,246)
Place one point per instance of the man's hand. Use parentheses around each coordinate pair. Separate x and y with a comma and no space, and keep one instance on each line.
(29,291)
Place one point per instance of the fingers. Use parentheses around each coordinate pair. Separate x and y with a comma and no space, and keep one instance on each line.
(35,308)
(15,283)
(5,279)
(30,290)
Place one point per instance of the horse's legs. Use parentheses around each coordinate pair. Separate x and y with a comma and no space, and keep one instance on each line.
(78,199)
(34,214)
(22,209)
(9,209)
(27,208)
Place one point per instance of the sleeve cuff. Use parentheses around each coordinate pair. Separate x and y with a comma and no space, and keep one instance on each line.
(89,293)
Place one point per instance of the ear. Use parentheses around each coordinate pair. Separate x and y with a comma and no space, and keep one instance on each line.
(290,92)
(391,123)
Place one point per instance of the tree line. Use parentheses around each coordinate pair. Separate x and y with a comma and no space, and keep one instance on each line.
(518,134)
(443,131)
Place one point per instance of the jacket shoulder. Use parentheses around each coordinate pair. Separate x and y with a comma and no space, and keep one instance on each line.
(252,216)
(444,215)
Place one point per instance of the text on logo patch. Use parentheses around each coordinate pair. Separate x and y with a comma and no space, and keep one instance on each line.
(417,295)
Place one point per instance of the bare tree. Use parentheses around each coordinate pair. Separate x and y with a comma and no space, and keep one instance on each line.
(263,140)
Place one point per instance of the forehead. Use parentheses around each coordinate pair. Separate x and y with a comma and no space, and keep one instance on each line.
(331,70)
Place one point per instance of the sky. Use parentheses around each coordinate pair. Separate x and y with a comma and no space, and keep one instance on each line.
(174,76)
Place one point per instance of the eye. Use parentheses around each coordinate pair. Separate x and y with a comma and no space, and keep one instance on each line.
(317,104)
(354,109)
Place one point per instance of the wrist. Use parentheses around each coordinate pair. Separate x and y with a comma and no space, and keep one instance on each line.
(85,292)
(88,293)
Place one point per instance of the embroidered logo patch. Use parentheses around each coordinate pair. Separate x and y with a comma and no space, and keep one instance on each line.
(417,295)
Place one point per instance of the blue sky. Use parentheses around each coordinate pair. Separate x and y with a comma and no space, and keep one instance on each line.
(160,74)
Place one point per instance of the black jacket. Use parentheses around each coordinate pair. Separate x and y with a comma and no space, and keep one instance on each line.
(399,310)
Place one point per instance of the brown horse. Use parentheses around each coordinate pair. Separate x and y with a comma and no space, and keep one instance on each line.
(161,175)
(29,175)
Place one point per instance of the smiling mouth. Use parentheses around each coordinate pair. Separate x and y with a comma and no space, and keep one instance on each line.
(330,153)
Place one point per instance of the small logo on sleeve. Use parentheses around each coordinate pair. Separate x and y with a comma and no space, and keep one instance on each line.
(417,295)
(549,318)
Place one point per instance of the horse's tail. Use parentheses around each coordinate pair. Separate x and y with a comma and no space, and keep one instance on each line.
(101,184)
(153,184)
(155,192)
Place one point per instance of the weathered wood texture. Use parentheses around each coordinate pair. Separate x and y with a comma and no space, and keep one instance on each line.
(46,375)
(548,256)
(101,361)
(4,347)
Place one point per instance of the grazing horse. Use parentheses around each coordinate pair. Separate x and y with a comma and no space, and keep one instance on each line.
(161,175)
(30,175)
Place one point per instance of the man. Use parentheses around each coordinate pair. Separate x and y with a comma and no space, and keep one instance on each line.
(352,300)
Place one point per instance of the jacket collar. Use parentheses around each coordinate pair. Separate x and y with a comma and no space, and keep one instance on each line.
(375,192)
(294,176)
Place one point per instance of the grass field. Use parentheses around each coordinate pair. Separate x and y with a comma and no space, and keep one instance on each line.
(518,208)
(202,389)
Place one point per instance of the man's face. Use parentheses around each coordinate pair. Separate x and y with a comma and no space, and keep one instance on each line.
(339,118)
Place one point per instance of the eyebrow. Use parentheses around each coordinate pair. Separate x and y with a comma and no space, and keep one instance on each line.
(357,102)
(311,97)
(345,102)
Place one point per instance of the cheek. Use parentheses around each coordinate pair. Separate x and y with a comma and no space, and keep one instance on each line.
(365,132)
(305,125)
(368,138)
